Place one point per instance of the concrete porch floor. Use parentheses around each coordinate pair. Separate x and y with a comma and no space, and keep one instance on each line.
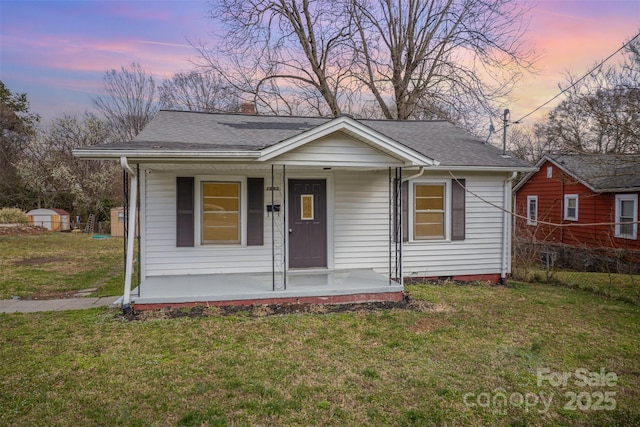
(244,289)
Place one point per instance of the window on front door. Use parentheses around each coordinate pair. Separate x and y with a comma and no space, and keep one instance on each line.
(626,216)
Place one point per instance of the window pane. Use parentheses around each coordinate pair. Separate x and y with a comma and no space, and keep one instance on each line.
(220,234)
(532,209)
(217,204)
(221,212)
(626,209)
(221,189)
(424,217)
(222,219)
(430,191)
(423,204)
(429,231)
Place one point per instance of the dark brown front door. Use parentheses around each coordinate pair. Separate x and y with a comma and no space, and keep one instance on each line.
(307,223)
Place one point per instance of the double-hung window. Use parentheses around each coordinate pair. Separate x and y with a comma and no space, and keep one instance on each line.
(626,216)
(532,210)
(212,211)
(429,219)
(220,212)
(571,207)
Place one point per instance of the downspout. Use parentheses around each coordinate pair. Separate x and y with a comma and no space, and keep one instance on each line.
(506,217)
(418,175)
(133,195)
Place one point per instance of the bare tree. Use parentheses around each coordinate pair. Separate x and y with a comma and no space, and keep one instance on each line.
(129,101)
(195,91)
(601,113)
(399,60)
(524,143)
(284,54)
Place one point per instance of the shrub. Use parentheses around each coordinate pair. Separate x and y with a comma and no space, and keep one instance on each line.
(13,216)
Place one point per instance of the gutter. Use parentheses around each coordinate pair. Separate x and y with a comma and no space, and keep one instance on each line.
(506,226)
(133,200)
(148,154)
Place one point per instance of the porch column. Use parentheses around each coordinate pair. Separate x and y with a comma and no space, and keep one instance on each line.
(126,298)
(285,230)
(279,231)
(395,226)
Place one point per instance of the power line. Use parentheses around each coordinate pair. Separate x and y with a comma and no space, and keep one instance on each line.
(577,81)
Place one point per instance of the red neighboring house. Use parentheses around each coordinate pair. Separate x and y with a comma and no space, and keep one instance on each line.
(595,195)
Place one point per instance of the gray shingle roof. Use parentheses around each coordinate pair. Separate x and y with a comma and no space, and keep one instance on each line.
(602,172)
(181,130)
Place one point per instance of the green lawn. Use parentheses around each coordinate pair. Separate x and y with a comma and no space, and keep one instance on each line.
(445,361)
(55,264)
(623,287)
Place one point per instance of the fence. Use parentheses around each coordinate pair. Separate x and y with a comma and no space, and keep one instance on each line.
(612,272)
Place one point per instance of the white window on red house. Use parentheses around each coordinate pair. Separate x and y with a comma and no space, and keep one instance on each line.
(532,210)
(571,207)
(549,171)
(626,216)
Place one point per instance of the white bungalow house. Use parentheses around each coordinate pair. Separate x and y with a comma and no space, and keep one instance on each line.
(239,209)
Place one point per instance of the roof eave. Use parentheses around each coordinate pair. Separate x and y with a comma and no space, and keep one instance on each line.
(484,168)
(617,190)
(182,155)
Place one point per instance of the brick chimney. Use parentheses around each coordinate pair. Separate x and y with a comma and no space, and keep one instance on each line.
(248,107)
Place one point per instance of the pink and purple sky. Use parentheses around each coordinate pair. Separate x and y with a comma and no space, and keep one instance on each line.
(57,51)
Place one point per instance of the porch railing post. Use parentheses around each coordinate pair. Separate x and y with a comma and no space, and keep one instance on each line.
(285,229)
(273,233)
(401,231)
(390,189)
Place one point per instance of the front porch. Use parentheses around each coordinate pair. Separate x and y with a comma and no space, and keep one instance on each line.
(302,287)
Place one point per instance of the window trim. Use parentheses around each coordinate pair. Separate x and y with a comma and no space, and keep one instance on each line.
(632,198)
(568,197)
(532,221)
(198,209)
(447,211)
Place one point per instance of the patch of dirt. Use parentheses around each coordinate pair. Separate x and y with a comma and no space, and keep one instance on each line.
(21,229)
(427,324)
(262,310)
(428,307)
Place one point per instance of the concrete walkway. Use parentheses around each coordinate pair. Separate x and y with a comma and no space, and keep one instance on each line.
(32,306)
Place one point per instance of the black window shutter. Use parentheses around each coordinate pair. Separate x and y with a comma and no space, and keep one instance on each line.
(458,209)
(404,192)
(255,206)
(184,213)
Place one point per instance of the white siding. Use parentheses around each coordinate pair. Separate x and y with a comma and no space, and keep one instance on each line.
(162,257)
(361,220)
(481,251)
(335,150)
(358,218)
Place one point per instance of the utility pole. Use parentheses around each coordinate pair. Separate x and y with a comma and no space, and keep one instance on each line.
(505,123)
